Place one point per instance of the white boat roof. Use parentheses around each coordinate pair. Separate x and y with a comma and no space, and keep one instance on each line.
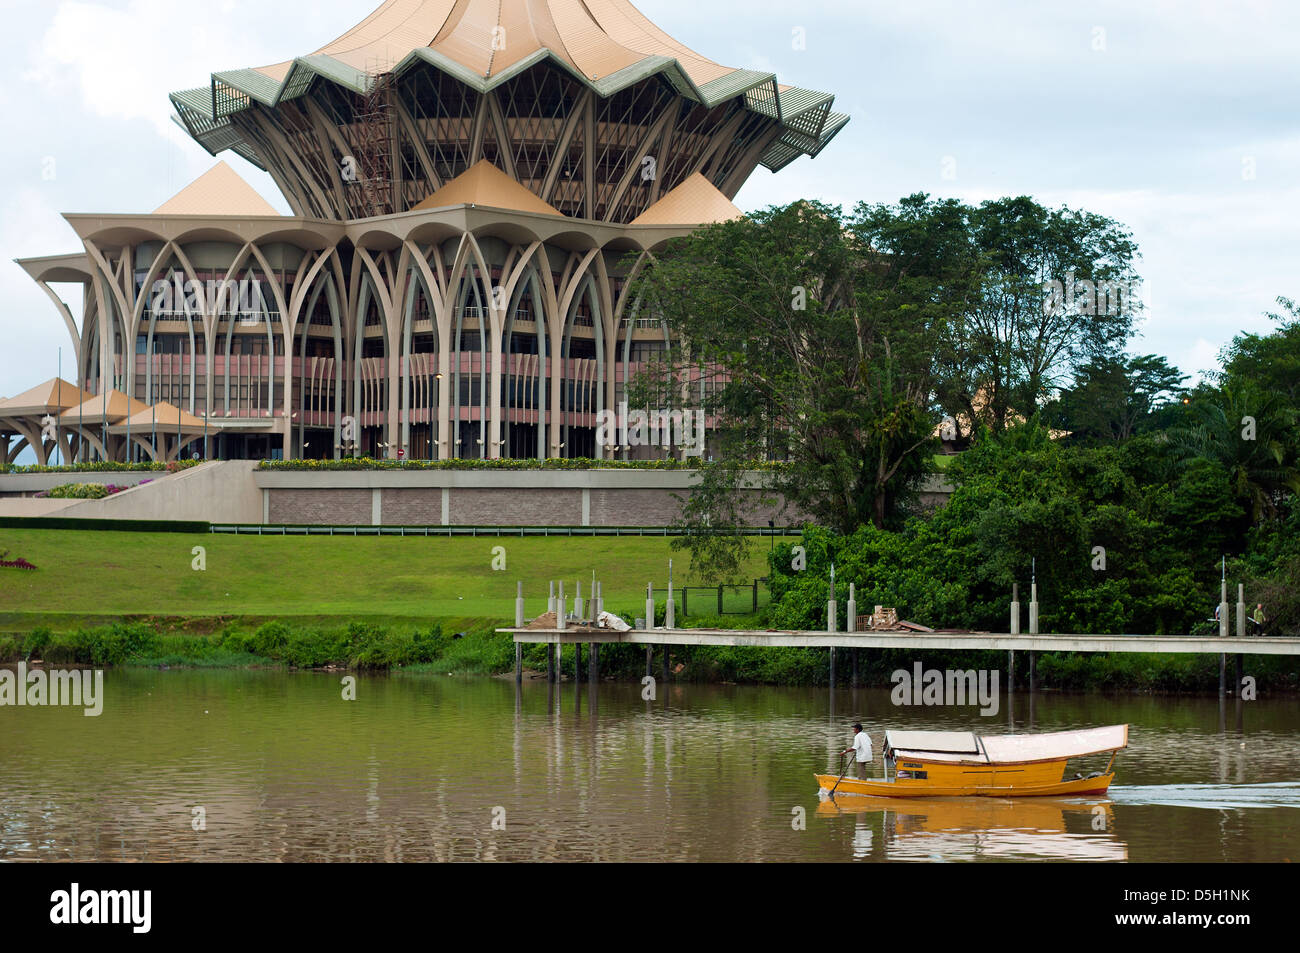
(959,746)
(957,742)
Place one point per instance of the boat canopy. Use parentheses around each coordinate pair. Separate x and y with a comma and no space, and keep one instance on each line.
(967,747)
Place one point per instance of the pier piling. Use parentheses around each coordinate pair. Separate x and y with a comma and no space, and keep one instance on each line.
(670,611)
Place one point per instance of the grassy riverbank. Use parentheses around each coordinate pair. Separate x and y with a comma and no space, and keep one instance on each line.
(88,578)
(473,647)
(107,598)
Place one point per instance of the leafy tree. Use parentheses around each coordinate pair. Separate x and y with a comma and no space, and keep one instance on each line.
(1270,361)
(1249,432)
(1113,397)
(822,330)
(1055,293)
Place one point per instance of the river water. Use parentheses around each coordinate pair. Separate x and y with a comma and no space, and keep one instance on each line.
(278,766)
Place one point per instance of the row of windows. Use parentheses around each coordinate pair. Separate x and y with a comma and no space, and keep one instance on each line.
(242,345)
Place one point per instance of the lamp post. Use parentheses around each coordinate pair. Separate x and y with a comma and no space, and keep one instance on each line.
(58,449)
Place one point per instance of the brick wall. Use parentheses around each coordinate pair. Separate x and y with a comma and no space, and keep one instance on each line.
(321,507)
(422,507)
(531,507)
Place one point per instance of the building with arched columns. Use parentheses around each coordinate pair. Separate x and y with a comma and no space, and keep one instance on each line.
(474,186)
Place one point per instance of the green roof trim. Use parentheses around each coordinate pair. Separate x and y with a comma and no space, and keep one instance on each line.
(804,114)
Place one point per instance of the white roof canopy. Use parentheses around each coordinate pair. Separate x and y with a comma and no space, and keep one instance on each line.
(969,748)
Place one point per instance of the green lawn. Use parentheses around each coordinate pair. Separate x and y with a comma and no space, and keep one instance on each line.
(86,577)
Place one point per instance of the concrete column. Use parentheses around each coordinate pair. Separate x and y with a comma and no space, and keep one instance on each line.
(670,613)
(1033,630)
(519,605)
(650,605)
(1015,609)
(550,598)
(577,601)
(1241,611)
(830,616)
(562,608)
(1223,633)
(851,623)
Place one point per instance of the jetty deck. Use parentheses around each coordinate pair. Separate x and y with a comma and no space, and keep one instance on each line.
(900,639)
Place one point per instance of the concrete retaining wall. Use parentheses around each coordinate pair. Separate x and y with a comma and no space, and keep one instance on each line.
(17,485)
(211,491)
(237,492)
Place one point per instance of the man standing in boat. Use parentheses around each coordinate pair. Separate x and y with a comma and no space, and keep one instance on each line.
(862,748)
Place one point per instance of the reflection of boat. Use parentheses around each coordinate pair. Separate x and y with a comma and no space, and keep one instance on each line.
(961,763)
(971,813)
(972,828)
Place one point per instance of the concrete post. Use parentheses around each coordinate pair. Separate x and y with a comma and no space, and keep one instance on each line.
(550,598)
(577,601)
(519,663)
(519,605)
(832,679)
(1223,634)
(670,621)
(830,615)
(559,616)
(593,663)
(1015,609)
(851,623)
(1033,609)
(1223,609)
(650,605)
(597,602)
(1241,611)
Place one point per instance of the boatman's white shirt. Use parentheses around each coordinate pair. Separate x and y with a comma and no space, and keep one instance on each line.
(862,745)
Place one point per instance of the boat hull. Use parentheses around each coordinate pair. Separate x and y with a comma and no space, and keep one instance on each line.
(949,780)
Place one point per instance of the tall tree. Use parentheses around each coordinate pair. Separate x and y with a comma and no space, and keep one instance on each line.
(822,329)
(1057,291)
(1113,397)
(1249,432)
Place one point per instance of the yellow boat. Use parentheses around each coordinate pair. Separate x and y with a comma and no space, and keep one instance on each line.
(964,764)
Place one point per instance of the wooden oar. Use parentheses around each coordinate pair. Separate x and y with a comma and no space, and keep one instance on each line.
(842,773)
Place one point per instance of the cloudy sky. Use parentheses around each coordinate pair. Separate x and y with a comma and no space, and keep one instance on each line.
(1178,118)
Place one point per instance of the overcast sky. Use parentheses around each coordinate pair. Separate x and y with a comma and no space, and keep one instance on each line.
(1179,119)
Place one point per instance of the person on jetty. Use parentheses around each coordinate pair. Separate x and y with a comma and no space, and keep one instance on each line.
(862,746)
(1258,618)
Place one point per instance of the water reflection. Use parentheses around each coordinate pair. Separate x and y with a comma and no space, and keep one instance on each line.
(980,828)
(414,768)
